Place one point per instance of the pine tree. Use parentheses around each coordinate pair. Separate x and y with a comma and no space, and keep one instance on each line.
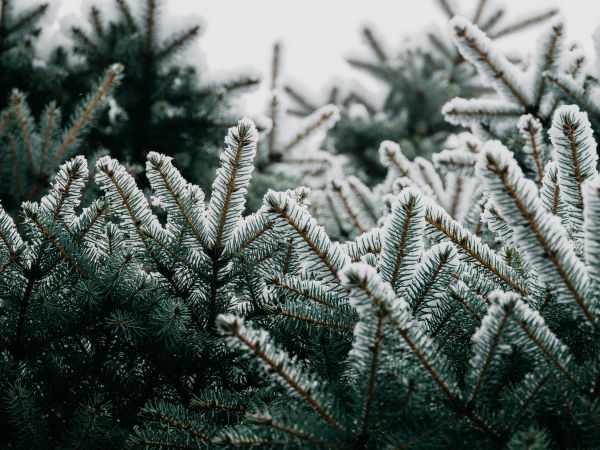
(158,102)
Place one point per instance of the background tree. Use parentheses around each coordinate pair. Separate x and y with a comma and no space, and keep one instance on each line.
(417,81)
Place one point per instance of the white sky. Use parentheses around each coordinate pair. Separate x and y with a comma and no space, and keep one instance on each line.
(318,34)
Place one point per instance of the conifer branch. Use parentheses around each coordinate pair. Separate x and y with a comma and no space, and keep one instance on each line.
(26,19)
(24,120)
(540,235)
(473,247)
(300,99)
(110,80)
(575,156)
(323,118)
(531,130)
(402,240)
(126,13)
(477,48)
(178,42)
(280,365)
(229,188)
(308,237)
(374,45)
(51,115)
(523,24)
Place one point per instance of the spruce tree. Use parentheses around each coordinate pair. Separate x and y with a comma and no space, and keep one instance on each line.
(159,105)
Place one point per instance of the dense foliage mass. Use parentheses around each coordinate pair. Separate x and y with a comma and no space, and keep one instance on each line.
(453,304)
(157,102)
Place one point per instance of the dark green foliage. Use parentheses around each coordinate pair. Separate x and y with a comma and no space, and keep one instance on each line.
(453,305)
(18,33)
(161,106)
(31,148)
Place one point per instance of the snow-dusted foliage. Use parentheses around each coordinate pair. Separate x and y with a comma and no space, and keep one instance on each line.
(519,92)
(451,304)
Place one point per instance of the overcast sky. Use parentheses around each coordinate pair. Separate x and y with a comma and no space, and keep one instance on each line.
(318,34)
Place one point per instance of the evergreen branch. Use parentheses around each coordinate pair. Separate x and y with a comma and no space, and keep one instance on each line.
(309,316)
(534,327)
(241,83)
(459,162)
(161,413)
(25,123)
(477,48)
(355,97)
(229,188)
(432,274)
(309,240)
(363,277)
(523,24)
(126,200)
(323,118)
(398,314)
(83,38)
(300,99)
(478,11)
(96,21)
(530,129)
(365,197)
(467,112)
(541,236)
(526,392)
(391,156)
(64,196)
(126,13)
(150,22)
(547,56)
(365,244)
(178,42)
(268,421)
(430,178)
(307,289)
(184,202)
(111,79)
(486,343)
(550,190)
(402,240)
(349,207)
(591,241)
(441,47)
(32,213)
(375,45)
(25,19)
(367,293)
(445,5)
(275,67)
(248,232)
(299,381)
(12,242)
(385,72)
(51,115)
(575,93)
(575,156)
(473,247)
